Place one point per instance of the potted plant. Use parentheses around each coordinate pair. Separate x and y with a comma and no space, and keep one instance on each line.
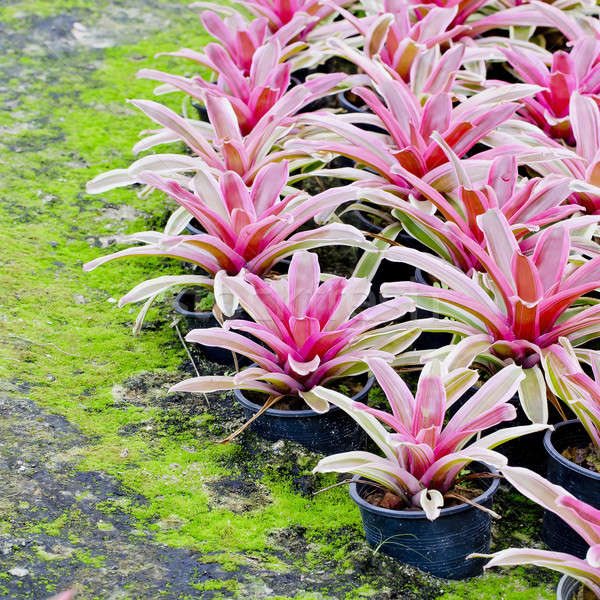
(250,228)
(576,71)
(413,48)
(578,515)
(514,309)
(584,119)
(305,336)
(411,500)
(251,93)
(528,206)
(218,145)
(409,125)
(574,445)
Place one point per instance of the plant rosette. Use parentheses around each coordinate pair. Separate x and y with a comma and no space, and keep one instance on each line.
(580,481)
(302,333)
(423,460)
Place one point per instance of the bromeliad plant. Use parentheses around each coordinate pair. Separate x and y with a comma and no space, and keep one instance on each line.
(409,46)
(423,457)
(281,12)
(569,382)
(584,168)
(307,333)
(218,145)
(527,207)
(241,39)
(575,71)
(582,517)
(410,125)
(247,229)
(518,307)
(251,96)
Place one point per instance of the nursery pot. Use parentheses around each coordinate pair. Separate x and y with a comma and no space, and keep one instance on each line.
(439,547)
(330,432)
(185,304)
(351,106)
(567,588)
(428,339)
(581,482)
(389,270)
(201,110)
(194,228)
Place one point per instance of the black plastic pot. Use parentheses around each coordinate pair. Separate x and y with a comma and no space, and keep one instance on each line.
(438,547)
(389,270)
(567,588)
(351,107)
(185,304)
(194,228)
(201,110)
(330,432)
(583,483)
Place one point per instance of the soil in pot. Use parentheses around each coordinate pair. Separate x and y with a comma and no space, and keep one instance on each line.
(584,593)
(581,482)
(588,457)
(439,547)
(291,419)
(387,499)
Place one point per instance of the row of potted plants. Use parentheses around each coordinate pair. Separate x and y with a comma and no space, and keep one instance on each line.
(466,151)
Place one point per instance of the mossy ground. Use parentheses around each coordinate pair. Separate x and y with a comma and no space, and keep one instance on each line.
(107,481)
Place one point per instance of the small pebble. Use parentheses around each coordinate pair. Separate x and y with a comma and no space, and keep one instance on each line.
(19,572)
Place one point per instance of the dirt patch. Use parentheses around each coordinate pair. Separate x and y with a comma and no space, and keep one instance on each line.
(54,531)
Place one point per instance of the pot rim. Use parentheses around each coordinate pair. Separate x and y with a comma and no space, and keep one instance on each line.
(558,457)
(563,586)
(203,314)
(420,514)
(178,306)
(294,414)
(348,105)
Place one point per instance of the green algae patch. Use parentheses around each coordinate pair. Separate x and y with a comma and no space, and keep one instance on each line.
(516,586)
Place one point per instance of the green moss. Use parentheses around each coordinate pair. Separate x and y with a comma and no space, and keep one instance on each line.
(498,585)
(230,585)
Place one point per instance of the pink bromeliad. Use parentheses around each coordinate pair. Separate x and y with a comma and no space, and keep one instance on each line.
(574,71)
(251,96)
(583,518)
(523,303)
(218,145)
(528,207)
(409,126)
(246,228)
(307,331)
(422,455)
